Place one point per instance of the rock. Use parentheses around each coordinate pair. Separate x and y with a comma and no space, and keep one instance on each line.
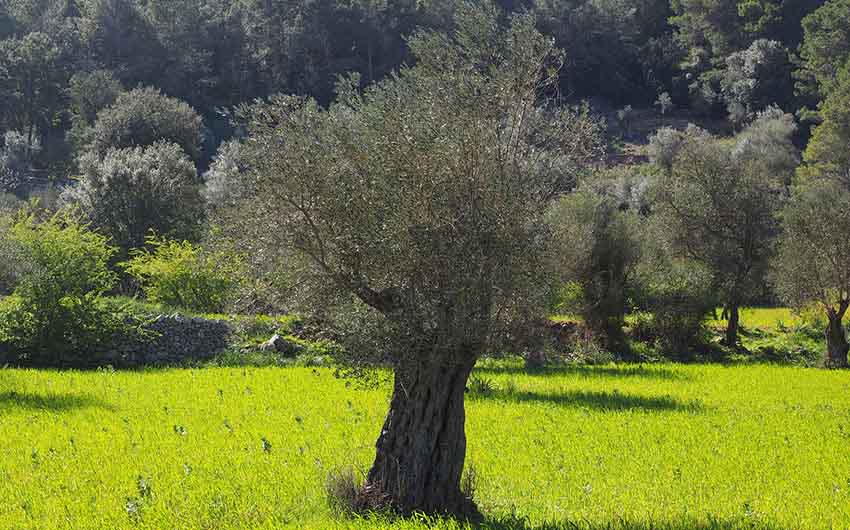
(281,345)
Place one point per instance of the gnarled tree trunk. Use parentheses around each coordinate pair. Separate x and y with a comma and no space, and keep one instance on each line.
(836,341)
(422,446)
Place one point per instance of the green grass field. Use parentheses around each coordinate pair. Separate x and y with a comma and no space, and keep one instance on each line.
(664,446)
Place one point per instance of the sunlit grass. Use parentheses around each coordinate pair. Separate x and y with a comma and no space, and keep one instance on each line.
(764,318)
(597,447)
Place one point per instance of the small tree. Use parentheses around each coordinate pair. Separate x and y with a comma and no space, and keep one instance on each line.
(664,103)
(130,192)
(16,160)
(720,206)
(595,247)
(143,117)
(813,264)
(223,182)
(419,204)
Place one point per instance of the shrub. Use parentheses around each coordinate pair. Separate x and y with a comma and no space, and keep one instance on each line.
(180,274)
(54,316)
(130,192)
(145,116)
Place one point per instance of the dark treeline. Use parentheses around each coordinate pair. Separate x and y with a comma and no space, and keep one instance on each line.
(61,59)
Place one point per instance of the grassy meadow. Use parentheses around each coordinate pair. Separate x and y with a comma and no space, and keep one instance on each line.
(641,446)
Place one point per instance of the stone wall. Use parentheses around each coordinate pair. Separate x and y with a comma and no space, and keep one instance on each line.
(172,340)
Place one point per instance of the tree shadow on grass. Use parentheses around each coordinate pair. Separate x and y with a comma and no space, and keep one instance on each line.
(712,523)
(595,400)
(11,401)
(619,371)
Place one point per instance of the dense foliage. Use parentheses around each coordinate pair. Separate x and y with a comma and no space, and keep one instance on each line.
(595,251)
(59,270)
(181,275)
(62,62)
(128,193)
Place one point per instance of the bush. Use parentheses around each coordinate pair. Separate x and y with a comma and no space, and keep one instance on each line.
(54,316)
(145,116)
(180,274)
(130,192)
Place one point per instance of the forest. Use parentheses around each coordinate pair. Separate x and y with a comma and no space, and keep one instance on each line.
(529,264)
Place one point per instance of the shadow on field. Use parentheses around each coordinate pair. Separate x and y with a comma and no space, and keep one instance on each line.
(713,523)
(11,401)
(587,371)
(597,400)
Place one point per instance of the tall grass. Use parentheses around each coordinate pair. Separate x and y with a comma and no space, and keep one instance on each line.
(660,446)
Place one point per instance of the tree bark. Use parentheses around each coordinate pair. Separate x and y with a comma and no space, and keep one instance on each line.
(836,342)
(732,325)
(422,446)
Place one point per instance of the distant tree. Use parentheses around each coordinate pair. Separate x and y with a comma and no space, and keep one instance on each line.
(827,154)
(224,182)
(419,206)
(664,103)
(16,163)
(626,117)
(595,249)
(117,37)
(826,46)
(7,23)
(130,192)
(756,78)
(720,207)
(777,20)
(144,116)
(813,264)
(708,29)
(32,80)
(91,92)
(618,49)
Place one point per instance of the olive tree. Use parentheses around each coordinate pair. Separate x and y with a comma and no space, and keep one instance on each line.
(813,263)
(420,203)
(815,249)
(595,248)
(720,204)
